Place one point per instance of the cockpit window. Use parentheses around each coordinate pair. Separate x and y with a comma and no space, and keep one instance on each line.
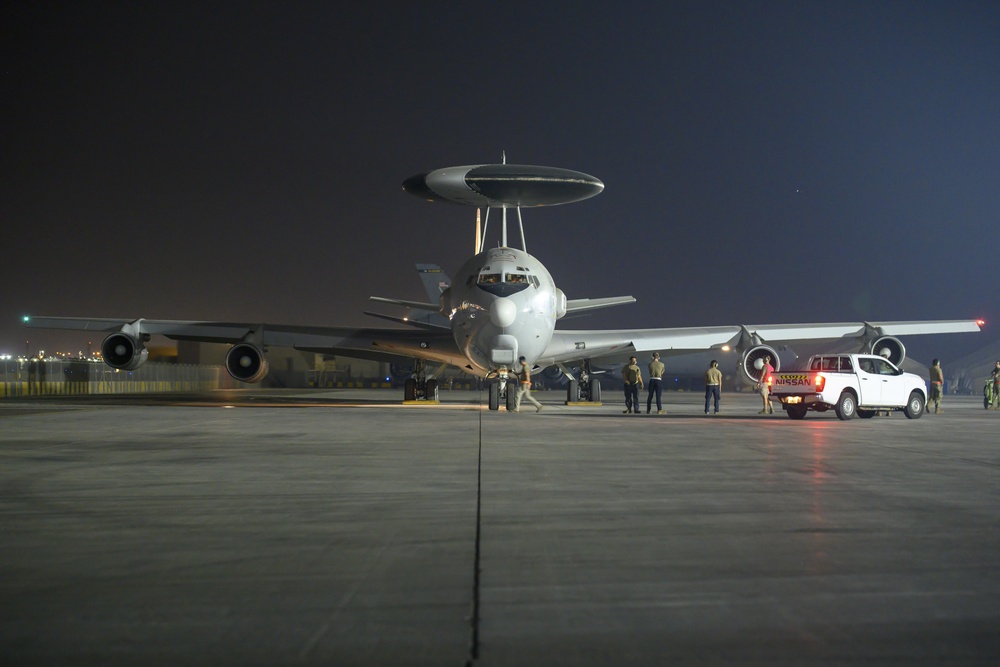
(516,278)
(489,278)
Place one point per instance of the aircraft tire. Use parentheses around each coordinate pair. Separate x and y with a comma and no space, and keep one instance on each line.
(595,391)
(572,391)
(431,393)
(511,397)
(410,389)
(494,396)
(914,405)
(847,406)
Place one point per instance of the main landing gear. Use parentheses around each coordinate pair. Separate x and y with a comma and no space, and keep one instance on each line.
(420,388)
(586,390)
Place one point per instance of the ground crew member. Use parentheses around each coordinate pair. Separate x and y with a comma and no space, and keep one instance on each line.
(996,386)
(713,385)
(937,385)
(655,381)
(524,387)
(632,375)
(764,387)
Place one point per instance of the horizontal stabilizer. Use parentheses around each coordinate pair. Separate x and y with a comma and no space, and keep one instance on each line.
(433,307)
(580,305)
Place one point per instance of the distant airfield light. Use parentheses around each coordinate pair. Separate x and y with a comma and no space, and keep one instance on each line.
(980,322)
(26,318)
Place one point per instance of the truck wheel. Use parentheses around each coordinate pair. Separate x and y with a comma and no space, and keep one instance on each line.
(914,405)
(846,406)
(796,411)
(867,414)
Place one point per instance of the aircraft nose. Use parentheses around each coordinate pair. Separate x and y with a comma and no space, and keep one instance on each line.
(503,312)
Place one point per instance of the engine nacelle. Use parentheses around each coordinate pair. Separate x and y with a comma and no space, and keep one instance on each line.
(246,362)
(890,348)
(123,352)
(752,363)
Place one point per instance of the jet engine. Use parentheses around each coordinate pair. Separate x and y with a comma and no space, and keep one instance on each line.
(123,352)
(246,362)
(890,348)
(749,371)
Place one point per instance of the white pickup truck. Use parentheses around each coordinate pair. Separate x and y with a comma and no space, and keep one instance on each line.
(850,384)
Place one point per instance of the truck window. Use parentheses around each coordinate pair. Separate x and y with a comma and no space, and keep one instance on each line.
(845,364)
(867,366)
(884,368)
(830,363)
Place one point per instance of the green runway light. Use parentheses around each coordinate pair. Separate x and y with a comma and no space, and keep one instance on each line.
(26,318)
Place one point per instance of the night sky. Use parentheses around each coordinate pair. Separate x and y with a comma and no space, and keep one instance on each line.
(763,162)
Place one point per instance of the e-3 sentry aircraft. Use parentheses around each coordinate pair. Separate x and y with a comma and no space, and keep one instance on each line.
(503,304)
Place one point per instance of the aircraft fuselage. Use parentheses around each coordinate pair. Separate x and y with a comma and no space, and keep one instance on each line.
(503,304)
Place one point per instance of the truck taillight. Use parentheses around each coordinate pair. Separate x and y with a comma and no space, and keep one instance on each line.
(820,382)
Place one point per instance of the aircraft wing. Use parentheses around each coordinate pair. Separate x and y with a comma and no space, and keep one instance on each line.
(580,305)
(381,344)
(569,346)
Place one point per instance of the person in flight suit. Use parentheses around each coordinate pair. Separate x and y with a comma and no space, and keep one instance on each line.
(524,387)
(655,382)
(713,385)
(937,386)
(632,375)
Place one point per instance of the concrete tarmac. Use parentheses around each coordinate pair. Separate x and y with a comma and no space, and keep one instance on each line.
(342,528)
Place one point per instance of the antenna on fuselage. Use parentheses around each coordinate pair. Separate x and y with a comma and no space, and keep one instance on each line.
(504,244)
(479,235)
(520,223)
(503,160)
(486,226)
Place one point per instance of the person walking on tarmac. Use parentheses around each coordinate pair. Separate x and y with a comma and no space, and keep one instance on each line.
(632,375)
(713,385)
(937,385)
(655,380)
(524,387)
(996,386)
(764,386)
